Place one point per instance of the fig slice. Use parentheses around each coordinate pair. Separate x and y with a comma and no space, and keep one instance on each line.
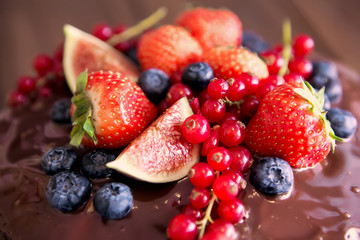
(83,51)
(160,154)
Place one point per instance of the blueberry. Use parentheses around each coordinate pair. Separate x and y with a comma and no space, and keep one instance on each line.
(58,159)
(68,190)
(334,90)
(155,83)
(60,111)
(93,164)
(254,42)
(197,75)
(327,103)
(342,122)
(325,68)
(272,176)
(132,54)
(113,200)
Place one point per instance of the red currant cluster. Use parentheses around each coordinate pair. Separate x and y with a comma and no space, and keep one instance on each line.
(49,72)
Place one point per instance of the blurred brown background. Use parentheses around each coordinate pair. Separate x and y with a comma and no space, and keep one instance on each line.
(29,27)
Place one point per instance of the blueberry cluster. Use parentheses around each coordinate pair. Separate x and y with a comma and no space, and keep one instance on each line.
(68,189)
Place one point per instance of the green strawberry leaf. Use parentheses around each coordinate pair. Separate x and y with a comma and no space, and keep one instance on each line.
(82,116)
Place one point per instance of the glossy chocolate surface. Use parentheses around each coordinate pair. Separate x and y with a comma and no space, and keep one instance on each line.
(325,203)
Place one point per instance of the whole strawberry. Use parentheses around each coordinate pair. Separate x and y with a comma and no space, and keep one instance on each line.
(110,110)
(230,62)
(212,27)
(169,48)
(290,123)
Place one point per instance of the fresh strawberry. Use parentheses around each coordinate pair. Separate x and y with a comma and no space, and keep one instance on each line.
(230,62)
(169,48)
(212,27)
(110,110)
(291,124)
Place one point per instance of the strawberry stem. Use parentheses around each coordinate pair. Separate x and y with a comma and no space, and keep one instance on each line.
(139,27)
(286,52)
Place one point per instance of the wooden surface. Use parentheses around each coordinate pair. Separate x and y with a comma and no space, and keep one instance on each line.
(29,27)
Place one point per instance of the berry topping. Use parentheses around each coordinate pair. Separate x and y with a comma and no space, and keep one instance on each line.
(272,176)
(342,122)
(60,111)
(68,190)
(93,163)
(155,84)
(197,75)
(58,159)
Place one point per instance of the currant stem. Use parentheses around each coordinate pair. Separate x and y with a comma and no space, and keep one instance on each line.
(207,216)
(139,27)
(286,52)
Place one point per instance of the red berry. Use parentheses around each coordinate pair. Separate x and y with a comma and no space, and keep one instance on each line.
(201,175)
(195,105)
(219,158)
(213,110)
(293,79)
(176,77)
(301,66)
(232,211)
(236,176)
(249,106)
(273,60)
(59,51)
(178,91)
(199,197)
(232,133)
(43,64)
(275,79)
(195,129)
(303,45)
(102,31)
(236,89)
(162,106)
(225,188)
(211,141)
(218,88)
(26,84)
(229,116)
(182,227)
(44,92)
(203,96)
(251,82)
(119,28)
(264,89)
(16,99)
(241,159)
(224,228)
(192,212)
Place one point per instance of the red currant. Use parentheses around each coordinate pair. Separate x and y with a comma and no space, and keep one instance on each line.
(232,211)
(225,188)
(26,84)
(264,89)
(203,96)
(218,88)
(43,64)
(241,159)
(249,106)
(211,141)
(228,116)
(236,89)
(192,212)
(303,45)
(201,175)
(177,91)
(16,99)
(301,66)
(122,46)
(162,106)
(275,79)
(213,110)
(293,79)
(44,92)
(232,133)
(195,129)
(251,82)
(199,197)
(273,60)
(224,228)
(182,227)
(219,158)
(59,51)
(195,105)
(236,176)
(176,77)
(102,31)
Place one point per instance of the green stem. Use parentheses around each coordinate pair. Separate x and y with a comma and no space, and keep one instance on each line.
(286,52)
(139,27)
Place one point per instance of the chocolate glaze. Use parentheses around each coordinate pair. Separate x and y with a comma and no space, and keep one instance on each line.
(325,202)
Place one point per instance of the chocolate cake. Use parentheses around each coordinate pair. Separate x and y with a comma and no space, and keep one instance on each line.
(324,203)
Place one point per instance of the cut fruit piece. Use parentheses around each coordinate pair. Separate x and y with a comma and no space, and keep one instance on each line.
(83,51)
(160,154)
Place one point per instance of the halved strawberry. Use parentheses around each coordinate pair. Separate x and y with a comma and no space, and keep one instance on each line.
(291,124)
(212,27)
(230,62)
(169,48)
(111,110)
